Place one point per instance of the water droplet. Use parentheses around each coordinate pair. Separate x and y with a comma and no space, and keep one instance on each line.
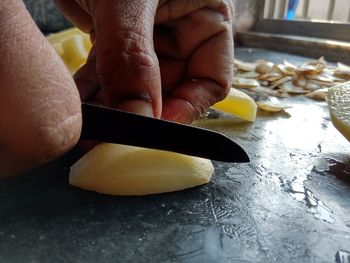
(318,208)
(315,206)
(169,212)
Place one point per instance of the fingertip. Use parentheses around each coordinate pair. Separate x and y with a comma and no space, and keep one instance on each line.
(140,107)
(191,99)
(178,110)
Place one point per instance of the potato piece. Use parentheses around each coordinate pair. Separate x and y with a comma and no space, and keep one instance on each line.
(87,42)
(239,104)
(59,49)
(270,106)
(127,170)
(75,53)
(339,106)
(72,46)
(244,83)
(60,36)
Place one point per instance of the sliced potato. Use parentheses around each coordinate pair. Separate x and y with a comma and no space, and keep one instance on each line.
(127,170)
(339,106)
(59,49)
(244,82)
(263,67)
(87,42)
(270,106)
(319,94)
(73,46)
(248,75)
(291,88)
(280,82)
(239,104)
(75,53)
(245,66)
(58,37)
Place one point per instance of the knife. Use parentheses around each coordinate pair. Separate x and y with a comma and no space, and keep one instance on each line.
(115,126)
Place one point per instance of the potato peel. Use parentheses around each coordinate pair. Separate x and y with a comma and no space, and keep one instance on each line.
(286,78)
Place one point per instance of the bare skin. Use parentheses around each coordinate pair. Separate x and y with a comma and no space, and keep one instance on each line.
(40,116)
(168,59)
(147,54)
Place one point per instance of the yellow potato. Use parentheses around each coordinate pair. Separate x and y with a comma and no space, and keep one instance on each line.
(239,104)
(127,170)
(87,42)
(75,53)
(73,46)
(339,106)
(60,36)
(59,49)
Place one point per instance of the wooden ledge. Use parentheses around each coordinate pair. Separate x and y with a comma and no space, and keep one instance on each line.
(331,50)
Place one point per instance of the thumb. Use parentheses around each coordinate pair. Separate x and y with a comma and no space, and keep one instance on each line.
(127,65)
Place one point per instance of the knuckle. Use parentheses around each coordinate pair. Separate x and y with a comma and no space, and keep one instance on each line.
(57,138)
(135,53)
(138,52)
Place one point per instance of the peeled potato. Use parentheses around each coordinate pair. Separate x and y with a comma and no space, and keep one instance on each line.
(87,42)
(339,107)
(75,53)
(239,104)
(58,37)
(59,49)
(73,46)
(127,170)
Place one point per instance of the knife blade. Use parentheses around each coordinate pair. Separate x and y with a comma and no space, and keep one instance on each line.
(115,126)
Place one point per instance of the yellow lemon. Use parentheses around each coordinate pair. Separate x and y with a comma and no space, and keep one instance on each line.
(339,106)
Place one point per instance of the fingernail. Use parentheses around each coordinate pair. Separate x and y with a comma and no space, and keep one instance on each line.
(140,107)
(177,117)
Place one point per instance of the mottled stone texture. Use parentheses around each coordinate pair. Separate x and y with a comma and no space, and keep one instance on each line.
(46,16)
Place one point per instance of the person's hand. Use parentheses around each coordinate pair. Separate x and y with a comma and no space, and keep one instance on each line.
(40,110)
(170,58)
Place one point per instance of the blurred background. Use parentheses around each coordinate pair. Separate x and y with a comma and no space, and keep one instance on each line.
(49,19)
(321,10)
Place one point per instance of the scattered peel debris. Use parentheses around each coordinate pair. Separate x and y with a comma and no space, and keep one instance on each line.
(312,79)
(272,105)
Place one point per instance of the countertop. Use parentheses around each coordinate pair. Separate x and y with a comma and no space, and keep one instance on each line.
(291,203)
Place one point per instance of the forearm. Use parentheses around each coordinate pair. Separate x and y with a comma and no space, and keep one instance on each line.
(39,105)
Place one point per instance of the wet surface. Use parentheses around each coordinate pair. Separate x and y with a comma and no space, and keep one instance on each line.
(342,256)
(291,203)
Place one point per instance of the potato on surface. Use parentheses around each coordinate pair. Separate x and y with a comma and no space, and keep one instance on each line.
(239,104)
(127,170)
(339,106)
